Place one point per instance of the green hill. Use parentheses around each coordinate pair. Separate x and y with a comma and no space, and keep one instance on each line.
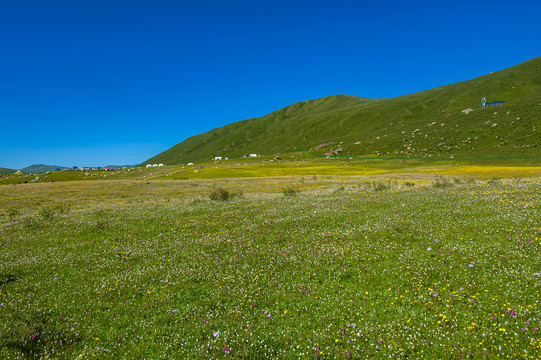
(428,124)
(6,171)
(40,168)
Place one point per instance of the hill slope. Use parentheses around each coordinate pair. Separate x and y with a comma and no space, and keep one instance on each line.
(6,171)
(428,124)
(40,168)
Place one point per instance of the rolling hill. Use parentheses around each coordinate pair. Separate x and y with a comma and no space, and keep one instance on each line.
(444,123)
(6,171)
(40,168)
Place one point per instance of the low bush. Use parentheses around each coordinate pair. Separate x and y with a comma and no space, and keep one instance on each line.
(379,186)
(290,191)
(442,182)
(220,194)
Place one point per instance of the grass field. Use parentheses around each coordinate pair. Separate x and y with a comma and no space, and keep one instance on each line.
(302,164)
(372,266)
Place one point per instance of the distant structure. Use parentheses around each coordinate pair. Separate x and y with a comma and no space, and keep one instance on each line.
(485,105)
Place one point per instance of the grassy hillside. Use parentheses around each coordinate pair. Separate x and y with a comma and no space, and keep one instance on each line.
(428,124)
(40,168)
(6,171)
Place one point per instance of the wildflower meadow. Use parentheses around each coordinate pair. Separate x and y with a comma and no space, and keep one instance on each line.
(284,268)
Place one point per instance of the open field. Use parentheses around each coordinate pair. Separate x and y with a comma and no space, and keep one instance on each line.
(302,164)
(290,267)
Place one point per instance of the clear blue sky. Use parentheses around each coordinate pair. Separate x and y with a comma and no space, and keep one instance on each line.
(116,82)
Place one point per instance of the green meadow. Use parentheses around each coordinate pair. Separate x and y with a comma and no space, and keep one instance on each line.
(375,260)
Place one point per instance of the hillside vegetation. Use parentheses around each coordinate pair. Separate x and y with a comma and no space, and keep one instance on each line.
(6,171)
(40,168)
(428,124)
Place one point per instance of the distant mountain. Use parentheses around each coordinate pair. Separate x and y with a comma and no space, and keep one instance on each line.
(40,168)
(6,171)
(445,122)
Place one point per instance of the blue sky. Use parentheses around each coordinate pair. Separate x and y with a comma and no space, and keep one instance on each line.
(116,82)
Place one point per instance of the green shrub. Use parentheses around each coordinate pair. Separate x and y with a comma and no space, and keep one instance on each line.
(442,182)
(379,186)
(290,192)
(220,194)
(494,181)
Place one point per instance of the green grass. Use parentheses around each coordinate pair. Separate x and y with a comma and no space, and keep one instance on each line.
(425,125)
(135,269)
(298,164)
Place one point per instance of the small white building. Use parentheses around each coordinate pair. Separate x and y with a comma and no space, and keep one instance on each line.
(149,165)
(160,165)
(154,165)
(253,155)
(217,158)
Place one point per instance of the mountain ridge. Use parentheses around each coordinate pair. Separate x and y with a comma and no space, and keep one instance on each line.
(429,123)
